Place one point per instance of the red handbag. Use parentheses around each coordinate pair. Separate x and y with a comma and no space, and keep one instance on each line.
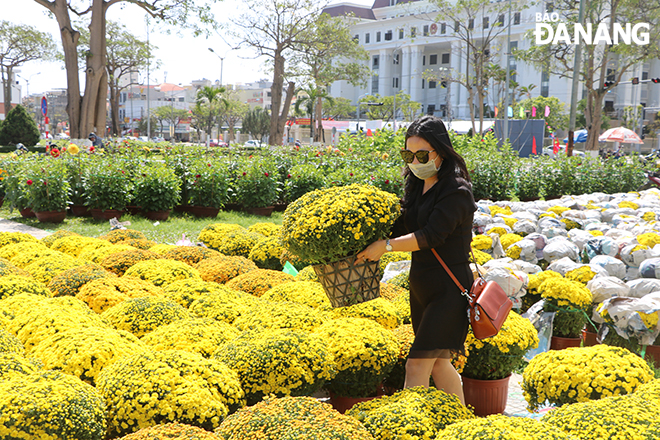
(488,304)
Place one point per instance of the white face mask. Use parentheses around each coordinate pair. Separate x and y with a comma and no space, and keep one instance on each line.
(424,170)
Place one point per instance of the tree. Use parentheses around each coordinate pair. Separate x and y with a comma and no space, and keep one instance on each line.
(602,62)
(332,54)
(558,118)
(88,113)
(276,28)
(386,111)
(309,99)
(126,54)
(142,126)
(18,45)
(161,114)
(232,111)
(257,123)
(207,107)
(19,127)
(339,108)
(174,117)
(478,45)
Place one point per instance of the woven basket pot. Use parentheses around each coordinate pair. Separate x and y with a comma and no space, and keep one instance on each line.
(347,282)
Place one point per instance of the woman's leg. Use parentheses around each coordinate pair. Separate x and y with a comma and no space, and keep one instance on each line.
(418,371)
(446,378)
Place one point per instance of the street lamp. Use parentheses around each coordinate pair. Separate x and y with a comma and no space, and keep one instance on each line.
(222,62)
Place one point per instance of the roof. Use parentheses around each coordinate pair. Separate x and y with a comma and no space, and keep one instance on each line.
(344,9)
(386,3)
(169,87)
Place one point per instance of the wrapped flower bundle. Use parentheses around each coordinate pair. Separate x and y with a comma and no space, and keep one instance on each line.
(143,315)
(571,300)
(417,412)
(302,418)
(282,362)
(581,374)
(497,357)
(364,351)
(257,282)
(634,319)
(327,225)
(168,386)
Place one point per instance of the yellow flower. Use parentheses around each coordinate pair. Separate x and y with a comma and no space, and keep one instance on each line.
(73,149)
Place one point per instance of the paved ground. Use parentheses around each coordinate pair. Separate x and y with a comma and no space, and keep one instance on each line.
(10,226)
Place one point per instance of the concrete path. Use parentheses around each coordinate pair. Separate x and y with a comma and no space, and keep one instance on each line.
(11,226)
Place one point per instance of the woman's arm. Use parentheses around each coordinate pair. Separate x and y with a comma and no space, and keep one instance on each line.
(404,243)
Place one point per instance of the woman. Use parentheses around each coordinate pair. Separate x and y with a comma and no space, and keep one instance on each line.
(437,213)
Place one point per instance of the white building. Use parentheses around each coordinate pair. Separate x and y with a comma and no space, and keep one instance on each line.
(16,95)
(405,38)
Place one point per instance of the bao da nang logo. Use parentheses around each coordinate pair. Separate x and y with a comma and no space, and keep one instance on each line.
(557,32)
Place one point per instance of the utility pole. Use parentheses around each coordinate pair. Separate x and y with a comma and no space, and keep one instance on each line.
(507,99)
(574,85)
(148,88)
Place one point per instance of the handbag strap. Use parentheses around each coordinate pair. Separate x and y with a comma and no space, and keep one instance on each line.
(463,290)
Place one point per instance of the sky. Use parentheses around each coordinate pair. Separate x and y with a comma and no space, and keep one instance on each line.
(183,58)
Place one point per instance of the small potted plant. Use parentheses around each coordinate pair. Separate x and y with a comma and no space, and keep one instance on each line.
(157,191)
(48,190)
(15,187)
(207,188)
(75,165)
(491,361)
(107,189)
(302,179)
(256,185)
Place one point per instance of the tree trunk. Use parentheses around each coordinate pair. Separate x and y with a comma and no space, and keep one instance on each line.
(6,84)
(480,101)
(276,98)
(596,118)
(114,110)
(70,46)
(93,112)
(470,102)
(279,133)
(319,119)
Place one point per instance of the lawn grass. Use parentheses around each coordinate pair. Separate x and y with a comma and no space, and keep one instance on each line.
(168,231)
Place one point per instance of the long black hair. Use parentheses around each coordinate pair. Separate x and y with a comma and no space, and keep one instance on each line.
(433,131)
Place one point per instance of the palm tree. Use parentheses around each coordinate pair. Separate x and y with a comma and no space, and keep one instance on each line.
(209,98)
(312,100)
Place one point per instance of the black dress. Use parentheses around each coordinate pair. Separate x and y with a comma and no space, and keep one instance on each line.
(441,218)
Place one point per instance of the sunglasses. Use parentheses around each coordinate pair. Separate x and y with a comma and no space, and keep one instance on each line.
(421,155)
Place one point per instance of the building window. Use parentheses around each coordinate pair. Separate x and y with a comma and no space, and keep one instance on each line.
(432,84)
(486,22)
(395,82)
(433,59)
(374,64)
(395,58)
(356,38)
(425,30)
(443,28)
(374,84)
(431,109)
(423,60)
(378,37)
(471,23)
(609,106)
(366,38)
(445,58)
(457,26)
(645,75)
(516,18)
(388,36)
(422,83)
(400,34)
(500,20)
(413,32)
(545,83)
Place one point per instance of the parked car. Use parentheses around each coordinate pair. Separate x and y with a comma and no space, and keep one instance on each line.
(61,136)
(549,151)
(158,139)
(217,143)
(252,144)
(144,138)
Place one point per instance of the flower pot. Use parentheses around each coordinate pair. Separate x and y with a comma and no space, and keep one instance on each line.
(486,396)
(232,207)
(343,404)
(50,216)
(203,211)
(589,339)
(279,207)
(80,211)
(157,215)
(559,343)
(265,211)
(133,210)
(182,208)
(106,214)
(26,212)
(347,282)
(653,354)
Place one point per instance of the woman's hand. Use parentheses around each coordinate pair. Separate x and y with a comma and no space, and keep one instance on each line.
(373,252)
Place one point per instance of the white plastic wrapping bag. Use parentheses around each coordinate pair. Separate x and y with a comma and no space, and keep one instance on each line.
(524,227)
(480,222)
(527,250)
(550,222)
(613,266)
(603,288)
(526,267)
(395,268)
(627,316)
(558,248)
(512,282)
(542,322)
(608,214)
(650,268)
(632,257)
(563,265)
(601,246)
(643,286)
(540,240)
(579,237)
